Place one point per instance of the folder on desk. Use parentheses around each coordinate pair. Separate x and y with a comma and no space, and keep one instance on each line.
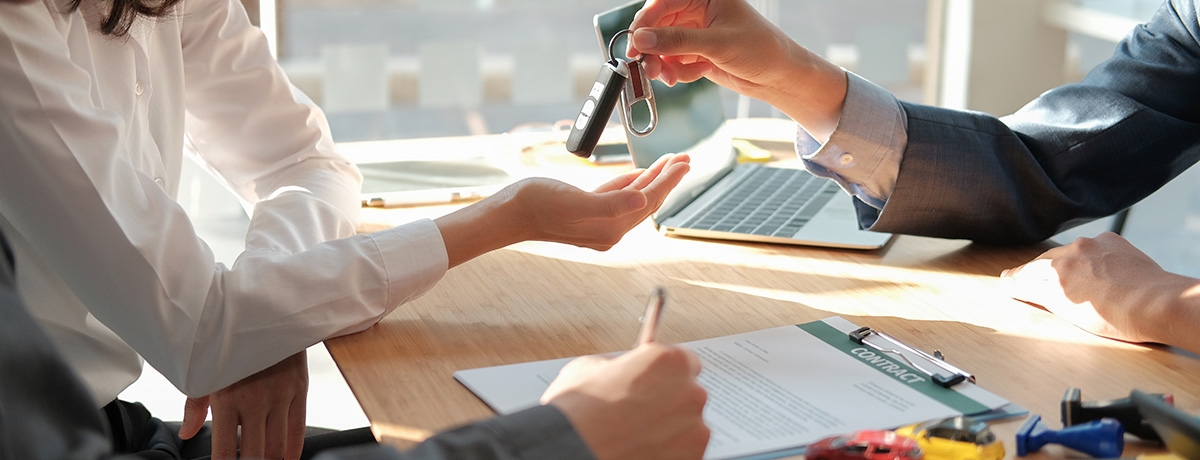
(774,391)
(417,183)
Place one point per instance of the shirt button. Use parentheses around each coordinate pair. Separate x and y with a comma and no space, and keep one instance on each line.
(159,181)
(137,88)
(846,159)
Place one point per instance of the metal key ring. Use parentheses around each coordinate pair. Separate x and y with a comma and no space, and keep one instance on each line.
(613,42)
(627,107)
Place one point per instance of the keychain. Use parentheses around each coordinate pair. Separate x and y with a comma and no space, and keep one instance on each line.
(618,80)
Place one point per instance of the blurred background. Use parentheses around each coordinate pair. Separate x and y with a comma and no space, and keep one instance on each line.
(400,69)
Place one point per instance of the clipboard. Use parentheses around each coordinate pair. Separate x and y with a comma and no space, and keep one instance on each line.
(948,376)
(774,391)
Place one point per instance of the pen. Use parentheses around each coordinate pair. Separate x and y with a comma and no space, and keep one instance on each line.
(429,197)
(654,309)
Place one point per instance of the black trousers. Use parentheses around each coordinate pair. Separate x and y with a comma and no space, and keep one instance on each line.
(136,433)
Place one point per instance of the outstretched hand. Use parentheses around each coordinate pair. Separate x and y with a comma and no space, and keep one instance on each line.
(562,213)
(544,209)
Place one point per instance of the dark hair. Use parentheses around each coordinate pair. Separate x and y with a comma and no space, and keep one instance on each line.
(123,12)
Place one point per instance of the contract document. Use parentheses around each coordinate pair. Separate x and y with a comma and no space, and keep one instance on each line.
(772,392)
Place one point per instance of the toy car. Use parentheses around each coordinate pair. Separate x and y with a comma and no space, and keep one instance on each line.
(866,444)
(956,438)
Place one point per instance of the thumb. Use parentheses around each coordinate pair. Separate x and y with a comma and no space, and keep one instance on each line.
(621,202)
(674,41)
(195,411)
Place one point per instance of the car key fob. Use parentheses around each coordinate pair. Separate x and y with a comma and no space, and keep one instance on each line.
(598,107)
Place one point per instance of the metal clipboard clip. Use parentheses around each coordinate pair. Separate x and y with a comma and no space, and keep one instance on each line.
(955,375)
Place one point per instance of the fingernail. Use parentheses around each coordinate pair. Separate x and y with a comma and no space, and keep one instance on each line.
(645,40)
(1004,273)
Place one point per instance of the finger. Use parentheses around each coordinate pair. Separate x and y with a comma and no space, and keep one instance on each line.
(1034,270)
(663,184)
(582,365)
(693,362)
(276,435)
(675,71)
(618,203)
(647,177)
(1036,282)
(195,411)
(224,434)
(675,41)
(296,427)
(656,12)
(690,361)
(637,179)
(254,438)
(619,182)
(651,66)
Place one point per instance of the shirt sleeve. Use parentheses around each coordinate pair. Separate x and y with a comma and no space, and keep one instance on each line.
(128,251)
(267,140)
(863,154)
(539,433)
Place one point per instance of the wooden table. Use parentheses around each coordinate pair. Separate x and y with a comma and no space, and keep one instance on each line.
(535,301)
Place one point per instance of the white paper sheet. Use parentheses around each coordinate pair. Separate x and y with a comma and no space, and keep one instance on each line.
(774,391)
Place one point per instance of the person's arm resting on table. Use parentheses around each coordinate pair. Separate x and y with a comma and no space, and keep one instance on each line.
(1076,153)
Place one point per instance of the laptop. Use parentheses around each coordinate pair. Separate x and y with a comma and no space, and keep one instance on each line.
(721,198)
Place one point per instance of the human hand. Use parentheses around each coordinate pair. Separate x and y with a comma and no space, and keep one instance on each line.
(644,404)
(548,210)
(1103,285)
(727,41)
(730,43)
(555,211)
(269,406)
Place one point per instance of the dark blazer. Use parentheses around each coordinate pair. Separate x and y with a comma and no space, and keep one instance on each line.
(1076,153)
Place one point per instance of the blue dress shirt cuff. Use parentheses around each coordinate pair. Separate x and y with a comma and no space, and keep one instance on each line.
(863,154)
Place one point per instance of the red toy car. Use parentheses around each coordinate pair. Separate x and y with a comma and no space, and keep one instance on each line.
(866,444)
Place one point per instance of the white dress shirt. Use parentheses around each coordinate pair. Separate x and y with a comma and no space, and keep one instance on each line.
(92,134)
(863,154)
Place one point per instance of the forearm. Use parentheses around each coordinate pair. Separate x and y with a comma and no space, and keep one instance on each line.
(483,227)
(1174,319)
(807,88)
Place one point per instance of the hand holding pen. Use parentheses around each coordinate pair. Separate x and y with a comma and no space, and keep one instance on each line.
(643,404)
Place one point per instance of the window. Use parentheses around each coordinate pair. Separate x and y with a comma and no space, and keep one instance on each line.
(387,69)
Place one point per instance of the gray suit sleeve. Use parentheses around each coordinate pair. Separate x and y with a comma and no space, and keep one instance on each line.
(542,432)
(45,411)
(1077,153)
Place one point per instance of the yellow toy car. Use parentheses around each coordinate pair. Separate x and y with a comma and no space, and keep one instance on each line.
(956,438)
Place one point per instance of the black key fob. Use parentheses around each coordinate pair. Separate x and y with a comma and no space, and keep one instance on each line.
(597,109)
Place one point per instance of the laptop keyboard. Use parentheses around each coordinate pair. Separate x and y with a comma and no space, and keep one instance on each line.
(769,201)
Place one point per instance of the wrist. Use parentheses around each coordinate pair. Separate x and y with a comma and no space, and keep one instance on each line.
(483,227)
(812,91)
(586,416)
(1173,316)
